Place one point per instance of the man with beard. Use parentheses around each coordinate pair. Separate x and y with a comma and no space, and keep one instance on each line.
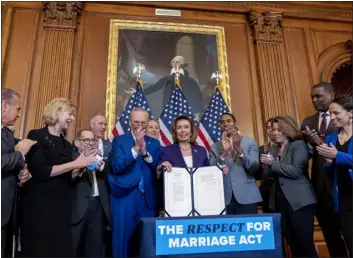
(315,128)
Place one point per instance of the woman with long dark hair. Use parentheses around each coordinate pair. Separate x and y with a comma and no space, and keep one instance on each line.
(337,151)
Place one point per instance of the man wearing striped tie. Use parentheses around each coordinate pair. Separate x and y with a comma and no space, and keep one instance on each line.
(133,159)
(315,128)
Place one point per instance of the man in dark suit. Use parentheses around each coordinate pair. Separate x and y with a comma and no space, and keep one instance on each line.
(90,206)
(98,124)
(12,160)
(322,94)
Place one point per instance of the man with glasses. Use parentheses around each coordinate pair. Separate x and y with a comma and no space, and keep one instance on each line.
(90,206)
(133,162)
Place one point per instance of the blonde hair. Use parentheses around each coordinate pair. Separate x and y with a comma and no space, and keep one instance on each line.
(52,109)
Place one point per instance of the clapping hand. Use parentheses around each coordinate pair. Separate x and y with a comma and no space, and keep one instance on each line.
(24,175)
(328,152)
(236,138)
(24,146)
(227,144)
(83,161)
(140,144)
(267,159)
(312,135)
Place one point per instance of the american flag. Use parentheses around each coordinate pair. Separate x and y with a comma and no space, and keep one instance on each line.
(137,100)
(177,105)
(209,130)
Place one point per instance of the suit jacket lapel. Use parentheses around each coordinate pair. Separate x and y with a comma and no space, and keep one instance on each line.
(285,151)
(8,139)
(194,156)
(179,154)
(315,123)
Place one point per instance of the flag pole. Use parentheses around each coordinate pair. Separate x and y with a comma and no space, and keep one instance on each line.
(218,76)
(177,76)
(138,69)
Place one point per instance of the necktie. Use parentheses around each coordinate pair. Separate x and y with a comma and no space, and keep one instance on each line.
(141,187)
(322,130)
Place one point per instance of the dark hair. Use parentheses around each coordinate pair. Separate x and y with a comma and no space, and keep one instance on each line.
(345,101)
(193,128)
(229,114)
(270,120)
(7,94)
(326,85)
(79,133)
(289,127)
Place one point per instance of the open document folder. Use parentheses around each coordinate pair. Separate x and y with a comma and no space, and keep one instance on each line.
(194,192)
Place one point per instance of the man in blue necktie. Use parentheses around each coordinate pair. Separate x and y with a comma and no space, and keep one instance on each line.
(134,158)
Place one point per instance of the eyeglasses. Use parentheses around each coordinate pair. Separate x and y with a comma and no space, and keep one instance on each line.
(137,123)
(88,141)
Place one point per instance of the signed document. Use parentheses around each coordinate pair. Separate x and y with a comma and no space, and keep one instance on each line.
(208,191)
(198,192)
(177,192)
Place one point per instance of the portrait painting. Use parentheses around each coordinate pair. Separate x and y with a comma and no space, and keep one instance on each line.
(196,51)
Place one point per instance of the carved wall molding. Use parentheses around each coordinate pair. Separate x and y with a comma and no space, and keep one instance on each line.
(59,35)
(266,26)
(274,79)
(341,11)
(332,58)
(61,14)
(298,7)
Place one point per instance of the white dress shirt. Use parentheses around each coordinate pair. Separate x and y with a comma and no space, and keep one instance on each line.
(188,161)
(328,119)
(95,190)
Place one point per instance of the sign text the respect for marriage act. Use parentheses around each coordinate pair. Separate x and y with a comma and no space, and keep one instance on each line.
(187,236)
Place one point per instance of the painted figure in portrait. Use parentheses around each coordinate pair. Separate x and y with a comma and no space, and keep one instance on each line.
(162,52)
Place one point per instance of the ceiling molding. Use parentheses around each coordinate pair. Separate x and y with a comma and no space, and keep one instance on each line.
(339,11)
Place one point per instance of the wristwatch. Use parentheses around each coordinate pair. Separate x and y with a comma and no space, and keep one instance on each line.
(145,156)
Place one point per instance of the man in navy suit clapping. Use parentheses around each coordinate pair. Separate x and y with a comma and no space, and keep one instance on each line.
(134,158)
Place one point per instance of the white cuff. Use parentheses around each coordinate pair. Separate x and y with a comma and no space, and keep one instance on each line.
(149,158)
(134,153)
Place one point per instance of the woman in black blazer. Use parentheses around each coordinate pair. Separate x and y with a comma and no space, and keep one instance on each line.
(292,195)
(45,218)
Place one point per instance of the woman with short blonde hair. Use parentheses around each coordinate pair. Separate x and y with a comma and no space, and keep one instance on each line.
(51,111)
(46,201)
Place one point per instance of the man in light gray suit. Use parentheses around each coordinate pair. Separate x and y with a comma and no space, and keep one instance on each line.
(241,155)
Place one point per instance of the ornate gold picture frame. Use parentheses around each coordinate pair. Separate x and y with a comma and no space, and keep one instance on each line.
(116,26)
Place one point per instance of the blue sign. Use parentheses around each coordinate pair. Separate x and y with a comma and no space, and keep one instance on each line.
(212,235)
